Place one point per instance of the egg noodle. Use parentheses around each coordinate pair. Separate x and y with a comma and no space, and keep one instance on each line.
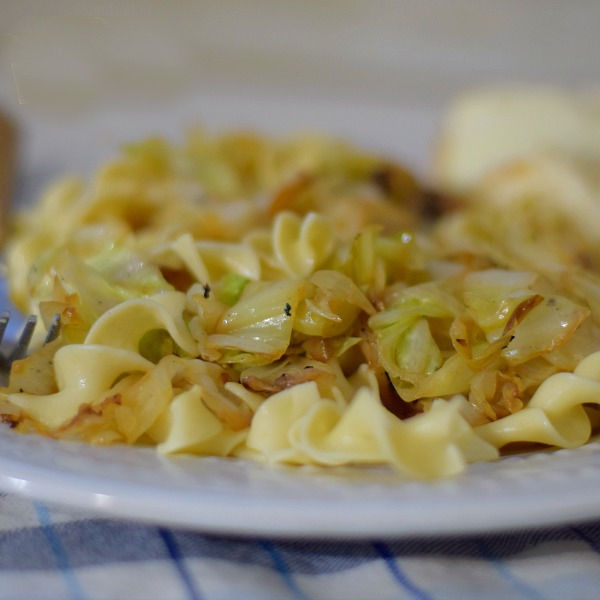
(304,302)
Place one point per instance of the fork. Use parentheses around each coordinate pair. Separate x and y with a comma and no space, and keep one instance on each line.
(11,351)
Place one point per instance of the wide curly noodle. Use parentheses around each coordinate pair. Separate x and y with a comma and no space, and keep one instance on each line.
(294,302)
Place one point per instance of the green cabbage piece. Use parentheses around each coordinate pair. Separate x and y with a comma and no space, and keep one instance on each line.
(101,281)
(491,297)
(123,268)
(397,257)
(416,350)
(257,329)
(406,346)
(230,288)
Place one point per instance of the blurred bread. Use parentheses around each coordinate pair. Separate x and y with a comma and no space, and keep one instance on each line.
(487,128)
(7,168)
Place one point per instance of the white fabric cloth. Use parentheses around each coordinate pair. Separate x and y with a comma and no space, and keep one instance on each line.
(47,553)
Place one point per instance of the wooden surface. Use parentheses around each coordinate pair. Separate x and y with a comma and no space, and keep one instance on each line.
(7,168)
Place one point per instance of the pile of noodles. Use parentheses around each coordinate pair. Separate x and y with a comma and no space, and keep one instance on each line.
(305,302)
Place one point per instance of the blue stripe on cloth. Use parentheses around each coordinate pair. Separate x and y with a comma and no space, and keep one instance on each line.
(590,541)
(283,569)
(504,572)
(173,549)
(400,577)
(58,550)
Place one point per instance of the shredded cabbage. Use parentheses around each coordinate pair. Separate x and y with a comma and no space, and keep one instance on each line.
(294,302)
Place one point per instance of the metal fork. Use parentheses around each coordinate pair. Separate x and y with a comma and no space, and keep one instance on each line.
(11,351)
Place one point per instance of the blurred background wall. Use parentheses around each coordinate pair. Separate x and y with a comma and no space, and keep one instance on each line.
(66,54)
(80,77)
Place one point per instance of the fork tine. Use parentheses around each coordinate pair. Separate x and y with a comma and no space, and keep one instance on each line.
(4,318)
(53,330)
(22,344)
(24,338)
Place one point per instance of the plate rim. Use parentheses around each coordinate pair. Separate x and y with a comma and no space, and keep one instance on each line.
(221,513)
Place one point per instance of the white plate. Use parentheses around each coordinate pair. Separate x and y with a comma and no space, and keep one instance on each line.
(375,77)
(242,498)
(237,497)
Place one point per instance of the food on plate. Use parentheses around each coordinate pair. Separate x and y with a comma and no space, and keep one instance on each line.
(488,127)
(305,302)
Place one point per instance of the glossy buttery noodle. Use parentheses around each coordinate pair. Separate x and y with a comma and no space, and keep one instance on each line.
(295,344)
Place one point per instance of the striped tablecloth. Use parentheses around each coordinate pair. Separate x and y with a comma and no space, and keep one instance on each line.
(49,553)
